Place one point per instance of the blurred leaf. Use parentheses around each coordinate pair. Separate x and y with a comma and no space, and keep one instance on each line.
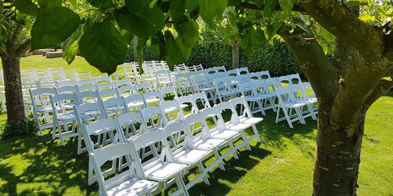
(172,56)
(101,4)
(269,7)
(103,46)
(234,2)
(53,26)
(212,12)
(44,4)
(157,44)
(27,7)
(367,17)
(177,8)
(259,3)
(286,5)
(70,46)
(142,8)
(191,5)
(188,31)
(128,36)
(326,34)
(252,40)
(72,2)
(131,22)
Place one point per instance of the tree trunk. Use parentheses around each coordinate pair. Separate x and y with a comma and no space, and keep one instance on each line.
(13,88)
(337,157)
(235,54)
(135,49)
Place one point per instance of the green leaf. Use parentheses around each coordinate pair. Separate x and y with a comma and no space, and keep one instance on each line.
(127,35)
(269,7)
(172,56)
(53,26)
(212,12)
(72,2)
(101,4)
(1,6)
(272,29)
(27,7)
(141,44)
(286,5)
(326,34)
(70,46)
(234,2)
(131,22)
(191,5)
(142,8)
(188,31)
(177,8)
(259,3)
(44,4)
(157,44)
(103,46)
(252,40)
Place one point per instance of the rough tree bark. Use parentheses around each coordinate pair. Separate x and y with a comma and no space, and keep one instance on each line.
(235,53)
(346,87)
(12,76)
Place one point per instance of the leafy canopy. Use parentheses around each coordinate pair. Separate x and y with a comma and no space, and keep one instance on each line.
(102,29)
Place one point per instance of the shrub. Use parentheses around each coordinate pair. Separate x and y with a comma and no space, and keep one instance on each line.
(27,127)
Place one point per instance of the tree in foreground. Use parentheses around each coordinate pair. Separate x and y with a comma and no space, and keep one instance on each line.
(347,81)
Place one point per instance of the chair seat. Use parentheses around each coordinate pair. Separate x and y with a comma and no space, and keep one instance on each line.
(152,100)
(131,187)
(294,105)
(237,127)
(227,134)
(208,144)
(135,104)
(47,108)
(250,120)
(190,156)
(69,116)
(163,171)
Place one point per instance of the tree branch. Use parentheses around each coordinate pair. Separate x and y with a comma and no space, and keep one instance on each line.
(314,64)
(11,42)
(339,21)
(382,88)
(23,48)
(246,5)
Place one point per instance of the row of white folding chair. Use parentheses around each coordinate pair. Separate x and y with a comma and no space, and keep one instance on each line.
(291,100)
(182,152)
(129,71)
(289,79)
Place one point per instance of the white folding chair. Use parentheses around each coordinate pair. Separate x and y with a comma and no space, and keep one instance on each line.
(42,108)
(264,74)
(106,85)
(284,81)
(163,79)
(91,136)
(262,90)
(224,90)
(291,109)
(256,102)
(159,168)
(153,117)
(134,102)
(169,93)
(311,95)
(295,78)
(183,150)
(113,107)
(301,96)
(143,88)
(171,111)
(130,181)
(132,124)
(63,116)
(103,79)
(125,91)
(125,82)
(152,97)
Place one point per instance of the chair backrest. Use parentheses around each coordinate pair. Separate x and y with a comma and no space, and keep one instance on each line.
(179,137)
(232,72)
(187,100)
(284,81)
(213,116)
(247,89)
(121,83)
(171,111)
(264,74)
(102,126)
(221,69)
(87,87)
(106,85)
(113,106)
(67,90)
(134,102)
(66,83)
(103,79)
(261,87)
(295,78)
(153,112)
(272,84)
(242,78)
(285,95)
(298,92)
(201,98)
(87,81)
(87,97)
(309,90)
(198,67)
(241,102)
(107,93)
(143,87)
(254,76)
(243,71)
(58,100)
(193,122)
(126,91)
(132,123)
(112,153)
(152,95)
(40,96)
(227,107)
(168,93)
(82,76)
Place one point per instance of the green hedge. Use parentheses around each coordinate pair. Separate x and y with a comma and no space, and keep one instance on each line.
(276,58)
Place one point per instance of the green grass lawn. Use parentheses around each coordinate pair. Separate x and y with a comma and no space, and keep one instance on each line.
(281,165)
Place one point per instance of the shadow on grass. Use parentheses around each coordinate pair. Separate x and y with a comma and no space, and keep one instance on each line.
(40,166)
(235,169)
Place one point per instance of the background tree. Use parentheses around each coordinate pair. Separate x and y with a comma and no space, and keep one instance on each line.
(346,85)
